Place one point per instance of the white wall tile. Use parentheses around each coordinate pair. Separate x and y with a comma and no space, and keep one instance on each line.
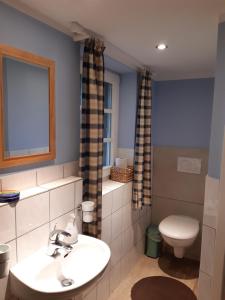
(61,200)
(48,174)
(126,216)
(116,247)
(19,181)
(69,169)
(141,247)
(92,295)
(127,197)
(76,167)
(32,212)
(32,242)
(148,216)
(138,232)
(78,193)
(116,223)
(204,287)
(103,288)
(7,223)
(106,229)
(127,240)
(211,202)
(107,204)
(61,222)
(78,297)
(117,201)
(89,289)
(136,214)
(78,214)
(208,250)
(115,277)
(13,255)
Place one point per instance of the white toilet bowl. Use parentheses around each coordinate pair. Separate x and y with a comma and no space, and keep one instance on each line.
(179,232)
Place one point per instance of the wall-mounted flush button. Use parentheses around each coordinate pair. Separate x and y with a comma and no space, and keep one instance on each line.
(4,260)
(189,165)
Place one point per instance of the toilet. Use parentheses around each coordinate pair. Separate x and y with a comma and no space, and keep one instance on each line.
(179,232)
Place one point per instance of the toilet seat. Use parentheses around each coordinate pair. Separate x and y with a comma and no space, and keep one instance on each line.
(179,227)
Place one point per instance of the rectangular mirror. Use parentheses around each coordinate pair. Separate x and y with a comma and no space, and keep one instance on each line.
(27,132)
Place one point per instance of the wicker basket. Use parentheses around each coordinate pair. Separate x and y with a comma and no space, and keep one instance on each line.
(122,174)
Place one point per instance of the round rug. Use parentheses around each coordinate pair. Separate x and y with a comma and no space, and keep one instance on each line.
(161,288)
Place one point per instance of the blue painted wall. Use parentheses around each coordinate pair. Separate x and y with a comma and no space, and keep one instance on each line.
(218,118)
(127,109)
(21,31)
(181,113)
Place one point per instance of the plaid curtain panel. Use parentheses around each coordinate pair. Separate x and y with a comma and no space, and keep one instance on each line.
(142,157)
(91,135)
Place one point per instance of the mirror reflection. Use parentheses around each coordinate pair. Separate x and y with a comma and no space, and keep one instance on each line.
(25,108)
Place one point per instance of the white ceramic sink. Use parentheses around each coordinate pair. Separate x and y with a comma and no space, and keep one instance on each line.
(40,276)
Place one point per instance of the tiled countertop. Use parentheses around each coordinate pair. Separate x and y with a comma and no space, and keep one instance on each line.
(110,185)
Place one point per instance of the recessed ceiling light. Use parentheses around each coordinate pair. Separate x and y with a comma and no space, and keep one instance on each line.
(161,46)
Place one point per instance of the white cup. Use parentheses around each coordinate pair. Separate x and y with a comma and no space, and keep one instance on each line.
(4,252)
(4,260)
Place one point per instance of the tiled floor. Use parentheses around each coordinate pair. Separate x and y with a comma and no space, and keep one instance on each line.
(184,270)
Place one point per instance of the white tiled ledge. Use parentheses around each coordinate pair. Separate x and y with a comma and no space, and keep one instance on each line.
(47,187)
(37,190)
(60,182)
(31,192)
(110,185)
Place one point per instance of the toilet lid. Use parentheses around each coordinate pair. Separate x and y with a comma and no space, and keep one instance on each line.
(179,227)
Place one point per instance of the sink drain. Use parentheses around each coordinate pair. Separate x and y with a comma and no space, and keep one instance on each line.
(67,282)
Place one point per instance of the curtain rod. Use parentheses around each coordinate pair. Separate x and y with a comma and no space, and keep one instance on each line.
(80,34)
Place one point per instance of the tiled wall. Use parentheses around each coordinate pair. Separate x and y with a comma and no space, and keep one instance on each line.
(26,225)
(208,239)
(123,230)
(177,192)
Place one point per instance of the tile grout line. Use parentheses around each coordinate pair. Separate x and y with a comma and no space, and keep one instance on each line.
(16,233)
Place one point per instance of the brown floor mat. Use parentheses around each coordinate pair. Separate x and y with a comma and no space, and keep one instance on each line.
(161,288)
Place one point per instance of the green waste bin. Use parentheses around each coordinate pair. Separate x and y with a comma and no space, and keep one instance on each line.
(153,241)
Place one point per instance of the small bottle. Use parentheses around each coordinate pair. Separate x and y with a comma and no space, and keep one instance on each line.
(71,227)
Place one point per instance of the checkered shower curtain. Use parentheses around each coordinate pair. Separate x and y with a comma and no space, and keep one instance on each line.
(91,135)
(142,156)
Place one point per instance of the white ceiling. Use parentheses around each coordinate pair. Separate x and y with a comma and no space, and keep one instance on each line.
(189,27)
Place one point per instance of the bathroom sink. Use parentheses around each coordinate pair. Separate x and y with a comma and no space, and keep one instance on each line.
(44,277)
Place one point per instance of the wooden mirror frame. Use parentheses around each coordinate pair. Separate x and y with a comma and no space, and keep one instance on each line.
(30,58)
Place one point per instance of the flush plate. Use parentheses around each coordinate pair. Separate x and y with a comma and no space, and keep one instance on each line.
(189,165)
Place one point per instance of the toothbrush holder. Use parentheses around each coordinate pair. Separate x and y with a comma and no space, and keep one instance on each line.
(4,260)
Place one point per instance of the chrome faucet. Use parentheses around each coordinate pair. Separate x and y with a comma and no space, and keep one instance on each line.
(56,245)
